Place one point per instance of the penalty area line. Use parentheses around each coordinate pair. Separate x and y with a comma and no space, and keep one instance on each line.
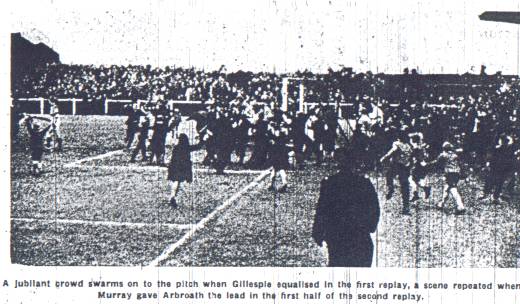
(202,223)
(91,158)
(157,168)
(101,223)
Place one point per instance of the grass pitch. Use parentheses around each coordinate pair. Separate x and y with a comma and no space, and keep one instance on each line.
(107,211)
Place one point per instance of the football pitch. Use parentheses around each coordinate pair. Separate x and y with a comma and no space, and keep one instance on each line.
(93,207)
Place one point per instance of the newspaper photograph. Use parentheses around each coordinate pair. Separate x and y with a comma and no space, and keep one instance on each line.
(197,151)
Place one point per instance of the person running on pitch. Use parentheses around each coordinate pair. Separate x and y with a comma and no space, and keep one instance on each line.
(452,170)
(180,167)
(401,155)
(419,171)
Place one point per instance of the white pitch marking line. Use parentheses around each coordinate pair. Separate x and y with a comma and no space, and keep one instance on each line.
(155,168)
(202,223)
(122,168)
(102,223)
(86,159)
(231,171)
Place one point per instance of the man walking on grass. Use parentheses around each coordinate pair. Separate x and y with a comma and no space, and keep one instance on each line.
(347,212)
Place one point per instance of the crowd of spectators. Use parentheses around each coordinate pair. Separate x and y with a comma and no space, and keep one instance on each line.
(173,83)
(491,100)
(472,111)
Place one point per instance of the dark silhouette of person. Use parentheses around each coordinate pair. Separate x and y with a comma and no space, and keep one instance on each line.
(347,212)
(501,167)
(160,132)
(180,167)
(141,146)
(132,123)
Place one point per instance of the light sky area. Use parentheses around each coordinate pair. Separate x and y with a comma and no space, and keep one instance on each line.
(275,35)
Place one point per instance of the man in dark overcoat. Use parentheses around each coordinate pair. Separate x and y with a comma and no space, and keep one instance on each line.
(347,212)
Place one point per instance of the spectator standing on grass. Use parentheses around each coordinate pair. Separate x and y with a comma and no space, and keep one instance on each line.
(299,138)
(260,142)
(223,140)
(347,212)
(501,167)
(329,134)
(132,123)
(278,153)
(54,135)
(37,135)
(240,127)
(144,129)
(180,167)
(313,130)
(208,135)
(160,132)
(175,121)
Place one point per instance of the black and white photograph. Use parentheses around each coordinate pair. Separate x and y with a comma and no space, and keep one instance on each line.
(265,133)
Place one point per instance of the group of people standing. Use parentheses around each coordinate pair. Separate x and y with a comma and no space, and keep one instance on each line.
(143,120)
(275,138)
(417,143)
(410,144)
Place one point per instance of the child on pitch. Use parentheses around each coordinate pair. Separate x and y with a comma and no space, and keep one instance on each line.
(180,167)
(450,159)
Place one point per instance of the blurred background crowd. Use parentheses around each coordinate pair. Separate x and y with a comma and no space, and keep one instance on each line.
(444,106)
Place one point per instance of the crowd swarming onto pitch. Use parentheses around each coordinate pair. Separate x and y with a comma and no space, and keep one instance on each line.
(174,166)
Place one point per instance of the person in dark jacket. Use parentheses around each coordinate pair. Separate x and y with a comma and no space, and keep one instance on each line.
(132,123)
(299,137)
(37,135)
(180,167)
(501,167)
(278,154)
(141,146)
(160,132)
(240,126)
(223,141)
(347,212)
(329,134)
(260,143)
